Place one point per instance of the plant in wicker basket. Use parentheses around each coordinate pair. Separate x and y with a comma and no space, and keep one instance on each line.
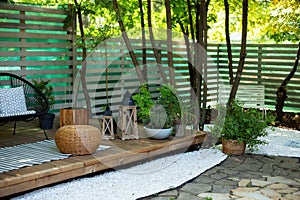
(243,127)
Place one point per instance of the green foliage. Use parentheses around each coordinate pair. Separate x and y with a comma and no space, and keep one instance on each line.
(159,114)
(284,21)
(170,101)
(245,125)
(276,20)
(159,118)
(98,20)
(267,20)
(144,102)
(46,89)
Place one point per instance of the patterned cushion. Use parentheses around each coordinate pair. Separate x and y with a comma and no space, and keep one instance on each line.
(12,101)
(18,114)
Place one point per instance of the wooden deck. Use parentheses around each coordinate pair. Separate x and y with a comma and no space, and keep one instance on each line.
(119,155)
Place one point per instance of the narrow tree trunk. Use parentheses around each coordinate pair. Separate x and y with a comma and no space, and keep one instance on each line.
(242,54)
(282,90)
(197,21)
(198,63)
(84,64)
(153,44)
(204,62)
(127,42)
(192,69)
(143,42)
(189,57)
(169,43)
(229,53)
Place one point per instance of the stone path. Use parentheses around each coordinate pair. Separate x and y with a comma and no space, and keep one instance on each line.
(245,177)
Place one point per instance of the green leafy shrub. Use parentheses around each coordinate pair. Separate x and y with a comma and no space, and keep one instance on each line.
(144,102)
(159,114)
(169,101)
(46,89)
(247,125)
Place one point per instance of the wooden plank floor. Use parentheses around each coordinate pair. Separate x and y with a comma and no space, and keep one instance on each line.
(120,154)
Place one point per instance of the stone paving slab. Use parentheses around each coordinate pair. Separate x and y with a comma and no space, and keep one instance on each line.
(242,177)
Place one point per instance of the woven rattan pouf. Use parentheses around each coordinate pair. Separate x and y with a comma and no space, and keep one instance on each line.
(78,139)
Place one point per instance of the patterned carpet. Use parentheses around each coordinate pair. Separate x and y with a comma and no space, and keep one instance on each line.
(30,154)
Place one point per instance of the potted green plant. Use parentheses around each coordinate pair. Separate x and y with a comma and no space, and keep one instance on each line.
(170,102)
(144,102)
(160,125)
(157,116)
(46,120)
(241,128)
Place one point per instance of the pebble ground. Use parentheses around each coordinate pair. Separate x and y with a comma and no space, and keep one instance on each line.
(245,177)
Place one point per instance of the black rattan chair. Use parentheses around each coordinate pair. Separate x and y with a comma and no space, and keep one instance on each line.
(36,102)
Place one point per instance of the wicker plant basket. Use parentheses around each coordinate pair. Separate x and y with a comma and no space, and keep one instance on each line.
(78,139)
(233,147)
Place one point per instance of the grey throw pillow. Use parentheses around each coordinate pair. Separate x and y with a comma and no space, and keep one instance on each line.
(12,100)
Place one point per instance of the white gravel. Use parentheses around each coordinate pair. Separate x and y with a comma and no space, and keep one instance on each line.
(159,175)
(135,182)
(281,142)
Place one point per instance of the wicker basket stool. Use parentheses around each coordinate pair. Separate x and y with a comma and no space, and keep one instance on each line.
(78,139)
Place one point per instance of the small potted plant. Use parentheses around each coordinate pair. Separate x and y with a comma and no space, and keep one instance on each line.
(241,128)
(158,117)
(170,102)
(46,120)
(144,102)
(160,124)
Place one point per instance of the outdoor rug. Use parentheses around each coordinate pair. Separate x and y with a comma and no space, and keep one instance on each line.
(30,154)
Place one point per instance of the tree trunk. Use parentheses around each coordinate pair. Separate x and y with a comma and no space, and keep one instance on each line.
(204,60)
(242,54)
(229,53)
(198,64)
(143,42)
(127,42)
(156,54)
(84,56)
(189,58)
(197,59)
(169,43)
(282,90)
(192,69)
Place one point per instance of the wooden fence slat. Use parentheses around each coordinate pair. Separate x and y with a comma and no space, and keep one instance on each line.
(35,53)
(32,27)
(32,18)
(32,9)
(36,63)
(43,45)
(24,35)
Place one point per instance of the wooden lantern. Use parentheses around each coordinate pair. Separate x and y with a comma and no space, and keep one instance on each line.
(107,128)
(128,122)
